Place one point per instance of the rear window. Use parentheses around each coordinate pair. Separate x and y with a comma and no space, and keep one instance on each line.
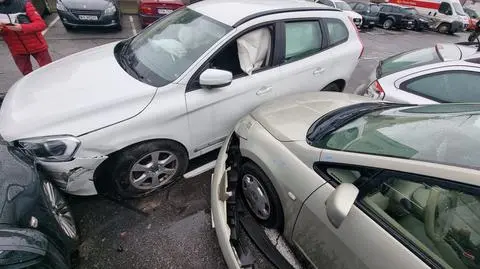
(407,60)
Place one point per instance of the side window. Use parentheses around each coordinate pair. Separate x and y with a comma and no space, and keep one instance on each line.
(386,9)
(450,86)
(445,8)
(374,9)
(337,31)
(302,39)
(327,2)
(360,7)
(440,220)
(247,54)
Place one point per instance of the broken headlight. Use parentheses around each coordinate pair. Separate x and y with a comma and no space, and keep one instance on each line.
(51,148)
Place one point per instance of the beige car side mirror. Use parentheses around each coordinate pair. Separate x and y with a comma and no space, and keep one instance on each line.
(340,202)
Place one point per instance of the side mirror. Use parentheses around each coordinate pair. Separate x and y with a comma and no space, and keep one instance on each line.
(215,78)
(340,202)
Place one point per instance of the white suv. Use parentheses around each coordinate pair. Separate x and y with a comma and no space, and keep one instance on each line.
(130,115)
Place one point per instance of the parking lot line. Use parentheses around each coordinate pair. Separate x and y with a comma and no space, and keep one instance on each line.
(50,25)
(134,31)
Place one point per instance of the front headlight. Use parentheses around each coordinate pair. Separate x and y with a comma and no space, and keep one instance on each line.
(51,148)
(111,9)
(60,6)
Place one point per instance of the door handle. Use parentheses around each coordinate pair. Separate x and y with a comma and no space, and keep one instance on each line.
(264,90)
(318,71)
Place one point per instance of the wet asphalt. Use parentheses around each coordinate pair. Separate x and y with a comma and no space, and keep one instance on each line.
(172,228)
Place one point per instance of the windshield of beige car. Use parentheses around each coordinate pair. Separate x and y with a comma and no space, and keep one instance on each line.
(447,133)
(163,51)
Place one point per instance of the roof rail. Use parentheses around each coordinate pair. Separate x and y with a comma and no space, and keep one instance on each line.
(283,10)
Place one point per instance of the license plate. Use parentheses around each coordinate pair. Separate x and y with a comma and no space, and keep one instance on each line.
(372,22)
(164,11)
(88,17)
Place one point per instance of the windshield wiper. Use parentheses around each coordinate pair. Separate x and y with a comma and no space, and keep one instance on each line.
(126,57)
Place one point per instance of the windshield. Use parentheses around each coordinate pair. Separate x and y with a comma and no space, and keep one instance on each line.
(459,9)
(407,60)
(471,13)
(436,133)
(343,6)
(163,51)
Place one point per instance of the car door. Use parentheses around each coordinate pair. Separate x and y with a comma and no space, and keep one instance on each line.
(312,54)
(445,84)
(393,222)
(220,108)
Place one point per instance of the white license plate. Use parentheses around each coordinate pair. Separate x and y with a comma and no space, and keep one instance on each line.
(164,11)
(88,17)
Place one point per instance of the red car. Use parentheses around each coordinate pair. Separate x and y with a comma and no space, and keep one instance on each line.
(151,10)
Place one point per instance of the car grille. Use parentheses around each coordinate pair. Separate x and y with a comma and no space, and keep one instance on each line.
(86,12)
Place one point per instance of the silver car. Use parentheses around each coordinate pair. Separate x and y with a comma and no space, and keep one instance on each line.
(355,183)
(444,73)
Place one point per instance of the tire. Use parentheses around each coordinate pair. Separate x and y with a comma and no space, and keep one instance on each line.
(118,27)
(332,87)
(68,28)
(135,173)
(53,259)
(444,28)
(387,24)
(254,181)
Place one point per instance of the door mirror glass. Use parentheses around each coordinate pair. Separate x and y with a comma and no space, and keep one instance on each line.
(215,78)
(340,202)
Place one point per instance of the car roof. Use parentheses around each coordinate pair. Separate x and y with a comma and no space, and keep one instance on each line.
(236,12)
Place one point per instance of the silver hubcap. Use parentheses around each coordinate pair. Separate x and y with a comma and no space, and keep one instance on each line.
(154,170)
(60,210)
(387,24)
(256,197)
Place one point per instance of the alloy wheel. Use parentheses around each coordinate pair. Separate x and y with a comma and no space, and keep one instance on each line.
(154,170)
(60,209)
(256,197)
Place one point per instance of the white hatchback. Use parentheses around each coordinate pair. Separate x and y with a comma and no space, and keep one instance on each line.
(129,115)
(445,73)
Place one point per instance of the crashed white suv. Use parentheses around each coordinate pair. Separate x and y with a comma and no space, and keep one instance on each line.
(130,115)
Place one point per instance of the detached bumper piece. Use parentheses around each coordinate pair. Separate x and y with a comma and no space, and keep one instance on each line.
(245,256)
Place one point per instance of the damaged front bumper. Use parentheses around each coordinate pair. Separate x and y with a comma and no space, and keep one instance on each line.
(224,212)
(76,176)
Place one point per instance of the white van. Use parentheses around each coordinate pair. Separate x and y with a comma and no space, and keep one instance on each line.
(448,15)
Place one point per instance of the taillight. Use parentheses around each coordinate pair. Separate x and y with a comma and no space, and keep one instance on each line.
(147,10)
(375,91)
(358,35)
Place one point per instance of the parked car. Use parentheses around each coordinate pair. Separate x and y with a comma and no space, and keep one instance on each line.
(42,7)
(448,15)
(37,229)
(373,184)
(87,13)
(173,92)
(472,22)
(420,22)
(394,16)
(151,10)
(444,73)
(369,12)
(342,5)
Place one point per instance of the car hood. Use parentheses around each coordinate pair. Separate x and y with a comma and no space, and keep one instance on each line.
(74,95)
(352,14)
(86,4)
(289,118)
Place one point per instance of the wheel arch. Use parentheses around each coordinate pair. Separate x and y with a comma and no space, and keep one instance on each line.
(341,83)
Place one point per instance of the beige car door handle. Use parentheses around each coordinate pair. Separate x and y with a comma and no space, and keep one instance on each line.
(263,90)
(318,71)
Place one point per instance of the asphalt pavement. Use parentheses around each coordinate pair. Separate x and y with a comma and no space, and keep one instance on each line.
(172,228)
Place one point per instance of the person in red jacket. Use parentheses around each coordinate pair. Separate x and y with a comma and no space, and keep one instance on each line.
(23,34)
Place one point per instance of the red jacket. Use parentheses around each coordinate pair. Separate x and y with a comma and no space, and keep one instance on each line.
(30,40)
